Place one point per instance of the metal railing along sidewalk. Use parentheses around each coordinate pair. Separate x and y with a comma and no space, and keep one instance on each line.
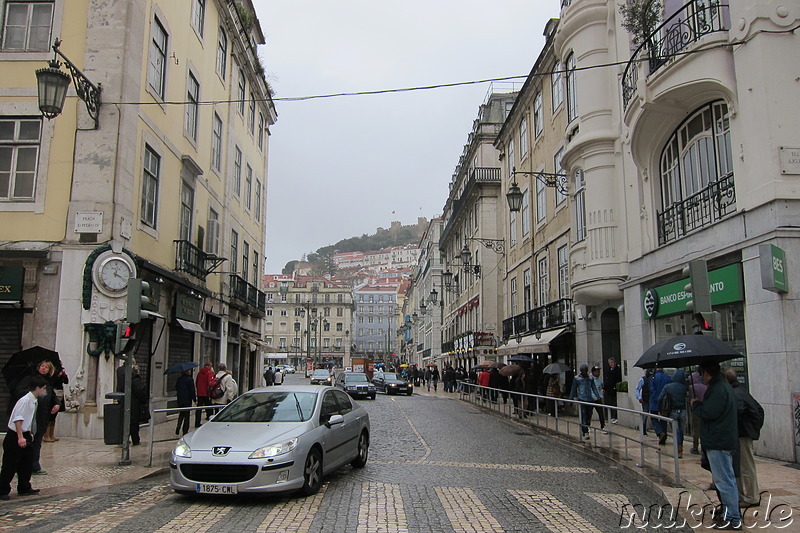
(531,407)
(167,411)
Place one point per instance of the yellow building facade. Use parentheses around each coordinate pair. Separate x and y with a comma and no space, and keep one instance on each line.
(168,184)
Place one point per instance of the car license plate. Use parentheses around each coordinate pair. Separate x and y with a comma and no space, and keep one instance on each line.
(207,488)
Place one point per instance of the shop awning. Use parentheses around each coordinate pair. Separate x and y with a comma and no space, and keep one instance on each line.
(189,326)
(530,344)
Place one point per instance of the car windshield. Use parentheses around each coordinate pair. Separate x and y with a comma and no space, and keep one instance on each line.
(356,378)
(321,373)
(269,407)
(389,375)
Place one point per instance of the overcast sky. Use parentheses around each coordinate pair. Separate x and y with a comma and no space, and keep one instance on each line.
(341,167)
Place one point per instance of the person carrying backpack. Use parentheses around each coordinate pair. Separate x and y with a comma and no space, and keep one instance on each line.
(750,420)
(226,384)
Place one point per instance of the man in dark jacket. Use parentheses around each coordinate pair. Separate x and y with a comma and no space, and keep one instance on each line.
(719,437)
(750,419)
(612,377)
(676,390)
(657,384)
(184,388)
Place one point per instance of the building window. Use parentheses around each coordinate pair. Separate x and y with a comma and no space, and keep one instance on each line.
(198,15)
(523,138)
(257,207)
(339,326)
(27,26)
(541,201)
(557,169)
(538,116)
(192,106)
(512,228)
(261,130)
(234,251)
(212,237)
(240,91)
(222,53)
(697,154)
(339,311)
(248,186)
(580,206)
(557,86)
(150,177)
(19,157)
(237,171)
(510,158)
(563,273)
(245,259)
(544,282)
(572,94)
(527,295)
(525,213)
(157,68)
(513,296)
(251,115)
(187,209)
(216,143)
(255,274)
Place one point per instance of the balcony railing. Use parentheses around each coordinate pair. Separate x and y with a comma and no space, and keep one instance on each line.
(553,315)
(248,294)
(700,209)
(686,26)
(192,260)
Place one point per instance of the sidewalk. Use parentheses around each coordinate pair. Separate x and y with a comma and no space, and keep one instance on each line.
(780,481)
(78,464)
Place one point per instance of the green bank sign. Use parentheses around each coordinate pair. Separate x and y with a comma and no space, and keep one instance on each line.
(725,286)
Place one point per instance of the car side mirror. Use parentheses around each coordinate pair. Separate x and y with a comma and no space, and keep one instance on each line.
(334,420)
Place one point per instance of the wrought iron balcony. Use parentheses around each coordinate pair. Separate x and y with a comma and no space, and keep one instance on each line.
(703,208)
(192,260)
(249,295)
(686,26)
(550,316)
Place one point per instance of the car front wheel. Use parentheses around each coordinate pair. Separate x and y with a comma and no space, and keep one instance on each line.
(312,473)
(363,451)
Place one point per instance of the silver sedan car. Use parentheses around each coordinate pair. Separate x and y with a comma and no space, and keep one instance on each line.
(273,440)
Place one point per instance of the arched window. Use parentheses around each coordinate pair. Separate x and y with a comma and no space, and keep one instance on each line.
(572,90)
(697,155)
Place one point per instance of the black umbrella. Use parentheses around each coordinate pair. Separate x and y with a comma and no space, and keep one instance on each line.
(687,350)
(521,358)
(26,361)
(556,368)
(181,367)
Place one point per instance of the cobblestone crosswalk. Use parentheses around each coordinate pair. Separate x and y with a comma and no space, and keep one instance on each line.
(380,508)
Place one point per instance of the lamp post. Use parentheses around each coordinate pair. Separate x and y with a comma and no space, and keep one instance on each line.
(52,85)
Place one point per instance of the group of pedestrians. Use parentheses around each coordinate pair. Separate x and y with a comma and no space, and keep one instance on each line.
(198,391)
(36,399)
(726,420)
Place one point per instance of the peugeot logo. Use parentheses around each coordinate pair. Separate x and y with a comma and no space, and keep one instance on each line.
(220,450)
(679,347)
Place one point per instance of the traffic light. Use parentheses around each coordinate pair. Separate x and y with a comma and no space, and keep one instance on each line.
(138,295)
(698,287)
(711,322)
(124,339)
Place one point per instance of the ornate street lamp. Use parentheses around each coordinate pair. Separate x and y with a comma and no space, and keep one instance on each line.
(514,197)
(53,83)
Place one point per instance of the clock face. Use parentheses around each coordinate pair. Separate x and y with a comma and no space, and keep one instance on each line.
(112,274)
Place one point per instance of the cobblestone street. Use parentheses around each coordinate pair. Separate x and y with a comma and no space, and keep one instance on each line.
(436,465)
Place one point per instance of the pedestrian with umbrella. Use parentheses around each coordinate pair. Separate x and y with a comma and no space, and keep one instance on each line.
(676,390)
(47,405)
(720,439)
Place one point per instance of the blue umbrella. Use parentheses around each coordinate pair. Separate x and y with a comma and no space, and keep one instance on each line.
(181,367)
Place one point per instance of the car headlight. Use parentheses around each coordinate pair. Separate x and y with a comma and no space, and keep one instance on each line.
(182,449)
(274,450)
(393,384)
